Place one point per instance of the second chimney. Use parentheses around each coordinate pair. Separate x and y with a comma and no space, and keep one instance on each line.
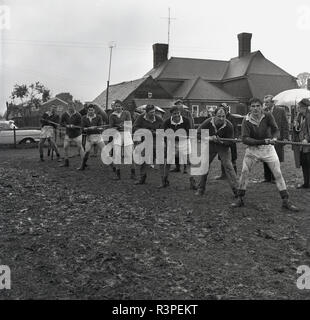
(160,54)
(244,43)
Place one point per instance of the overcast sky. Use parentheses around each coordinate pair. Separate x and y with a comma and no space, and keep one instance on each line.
(64,43)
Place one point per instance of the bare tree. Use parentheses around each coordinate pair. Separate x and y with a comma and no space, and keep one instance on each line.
(302,79)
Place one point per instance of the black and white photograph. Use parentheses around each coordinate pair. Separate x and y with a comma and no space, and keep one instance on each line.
(154,150)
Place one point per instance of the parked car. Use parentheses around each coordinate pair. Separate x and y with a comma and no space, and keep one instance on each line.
(22,135)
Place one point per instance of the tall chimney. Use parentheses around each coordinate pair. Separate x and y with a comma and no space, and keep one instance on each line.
(308,83)
(160,54)
(244,43)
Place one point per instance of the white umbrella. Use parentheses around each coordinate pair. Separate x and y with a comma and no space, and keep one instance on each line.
(291,97)
(142,108)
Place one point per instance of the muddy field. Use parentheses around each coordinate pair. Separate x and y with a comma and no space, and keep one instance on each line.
(79,235)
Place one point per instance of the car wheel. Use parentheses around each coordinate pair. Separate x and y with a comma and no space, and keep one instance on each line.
(27,141)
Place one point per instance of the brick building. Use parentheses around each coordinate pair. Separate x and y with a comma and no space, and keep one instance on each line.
(204,83)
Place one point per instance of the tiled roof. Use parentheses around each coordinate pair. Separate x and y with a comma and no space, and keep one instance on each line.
(162,103)
(199,89)
(119,91)
(262,84)
(187,68)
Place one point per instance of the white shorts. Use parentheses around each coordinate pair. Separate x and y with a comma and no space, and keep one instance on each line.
(122,138)
(77,140)
(265,153)
(94,139)
(47,132)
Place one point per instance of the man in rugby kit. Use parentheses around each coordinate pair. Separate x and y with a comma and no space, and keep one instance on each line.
(49,122)
(259,133)
(185,113)
(150,121)
(219,127)
(280,118)
(182,145)
(72,120)
(122,138)
(92,127)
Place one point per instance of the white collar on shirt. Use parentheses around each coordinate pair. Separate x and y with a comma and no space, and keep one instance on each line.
(177,123)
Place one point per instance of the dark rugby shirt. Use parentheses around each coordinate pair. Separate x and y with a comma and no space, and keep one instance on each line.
(255,133)
(93,122)
(224,131)
(76,120)
(49,117)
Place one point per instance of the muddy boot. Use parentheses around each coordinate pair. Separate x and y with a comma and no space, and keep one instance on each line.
(164,183)
(238,203)
(236,193)
(117,174)
(58,158)
(286,204)
(83,164)
(133,174)
(192,183)
(199,192)
(41,158)
(141,180)
(185,169)
(222,176)
(176,169)
(65,164)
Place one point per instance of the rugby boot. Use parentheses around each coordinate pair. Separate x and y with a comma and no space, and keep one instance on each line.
(132,174)
(164,183)
(238,203)
(141,180)
(192,183)
(65,164)
(117,174)
(199,192)
(176,169)
(286,204)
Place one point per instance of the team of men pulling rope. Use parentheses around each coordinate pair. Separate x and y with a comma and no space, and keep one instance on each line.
(262,132)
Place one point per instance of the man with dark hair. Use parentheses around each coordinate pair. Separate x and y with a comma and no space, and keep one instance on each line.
(123,137)
(72,120)
(149,121)
(49,122)
(219,127)
(279,115)
(98,111)
(182,145)
(185,113)
(91,124)
(304,136)
(233,146)
(259,133)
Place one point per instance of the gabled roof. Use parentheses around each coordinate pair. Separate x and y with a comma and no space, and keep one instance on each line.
(261,84)
(253,63)
(261,65)
(53,99)
(187,68)
(200,89)
(238,67)
(119,91)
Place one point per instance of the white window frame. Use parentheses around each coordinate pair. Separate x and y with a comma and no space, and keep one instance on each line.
(195,110)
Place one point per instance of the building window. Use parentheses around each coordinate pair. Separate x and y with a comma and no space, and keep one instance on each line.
(150,95)
(60,108)
(195,111)
(211,108)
